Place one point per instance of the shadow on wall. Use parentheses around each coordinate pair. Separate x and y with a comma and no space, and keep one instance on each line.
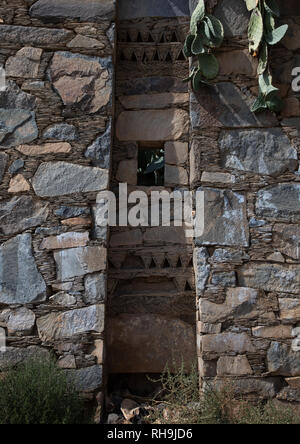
(131,9)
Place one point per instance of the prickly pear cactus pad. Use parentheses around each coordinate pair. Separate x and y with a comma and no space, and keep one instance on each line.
(206,33)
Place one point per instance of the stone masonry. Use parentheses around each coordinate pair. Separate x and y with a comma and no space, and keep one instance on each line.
(88,84)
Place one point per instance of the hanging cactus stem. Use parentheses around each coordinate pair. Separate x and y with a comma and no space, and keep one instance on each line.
(262,33)
(206,33)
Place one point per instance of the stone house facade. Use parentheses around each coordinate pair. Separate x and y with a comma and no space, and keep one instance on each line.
(89,86)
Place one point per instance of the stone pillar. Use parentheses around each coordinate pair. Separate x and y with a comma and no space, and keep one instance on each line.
(56,114)
(247,260)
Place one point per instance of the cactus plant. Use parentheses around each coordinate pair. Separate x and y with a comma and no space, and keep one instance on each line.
(206,33)
(262,33)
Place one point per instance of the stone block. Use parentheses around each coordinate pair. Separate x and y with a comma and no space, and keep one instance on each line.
(65,240)
(225,219)
(227,343)
(151,125)
(95,288)
(175,175)
(282,360)
(86,379)
(234,366)
(47,148)
(25,63)
(280,202)
(176,153)
(57,326)
(132,9)
(259,151)
(79,261)
(154,101)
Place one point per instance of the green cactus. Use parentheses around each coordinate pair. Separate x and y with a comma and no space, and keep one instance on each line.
(262,33)
(206,33)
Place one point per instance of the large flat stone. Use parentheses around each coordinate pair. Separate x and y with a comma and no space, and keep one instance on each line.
(100,150)
(25,63)
(57,326)
(14,98)
(79,261)
(81,81)
(225,219)
(149,85)
(21,321)
(271,277)
(3,162)
(151,125)
(154,101)
(280,202)
(282,360)
(289,310)
(20,280)
(286,237)
(62,178)
(86,379)
(234,17)
(146,343)
(259,151)
(132,9)
(14,356)
(95,288)
(224,105)
(85,11)
(20,213)
(35,36)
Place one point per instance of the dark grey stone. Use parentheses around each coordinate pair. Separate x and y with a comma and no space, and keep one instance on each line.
(17,127)
(146,85)
(16,166)
(202,269)
(62,178)
(225,105)
(222,255)
(20,280)
(280,202)
(262,388)
(21,213)
(225,219)
(37,36)
(224,279)
(282,360)
(61,131)
(67,212)
(234,17)
(85,11)
(99,150)
(131,9)
(3,162)
(86,379)
(14,356)
(261,151)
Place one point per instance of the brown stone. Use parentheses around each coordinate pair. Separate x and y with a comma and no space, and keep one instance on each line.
(294,382)
(165,235)
(291,107)
(25,63)
(289,309)
(67,361)
(176,153)
(81,81)
(18,184)
(73,221)
(154,101)
(237,63)
(65,240)
(292,38)
(126,238)
(79,261)
(227,343)
(127,171)
(146,343)
(98,350)
(47,148)
(176,175)
(152,125)
(213,177)
(234,366)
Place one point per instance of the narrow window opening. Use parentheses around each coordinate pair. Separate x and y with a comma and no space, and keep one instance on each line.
(151,162)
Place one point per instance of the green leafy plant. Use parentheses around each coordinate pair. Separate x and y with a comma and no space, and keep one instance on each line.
(38,392)
(262,34)
(206,33)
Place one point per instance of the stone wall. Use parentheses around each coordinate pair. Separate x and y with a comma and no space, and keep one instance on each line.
(247,260)
(55,136)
